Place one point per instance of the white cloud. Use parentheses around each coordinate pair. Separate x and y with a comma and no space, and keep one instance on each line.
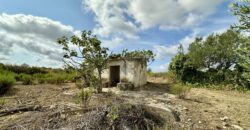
(35,35)
(113,43)
(110,18)
(127,17)
(162,51)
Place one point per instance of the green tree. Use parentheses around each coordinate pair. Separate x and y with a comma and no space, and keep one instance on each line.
(209,60)
(85,53)
(216,51)
(241,10)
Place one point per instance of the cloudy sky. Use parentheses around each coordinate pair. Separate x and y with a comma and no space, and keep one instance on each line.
(29,28)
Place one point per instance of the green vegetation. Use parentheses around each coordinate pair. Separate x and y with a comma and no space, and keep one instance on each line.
(148,55)
(30,76)
(85,95)
(2,101)
(88,57)
(211,61)
(220,60)
(242,11)
(7,80)
(180,90)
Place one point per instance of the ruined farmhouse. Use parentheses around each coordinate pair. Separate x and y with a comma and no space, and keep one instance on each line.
(126,71)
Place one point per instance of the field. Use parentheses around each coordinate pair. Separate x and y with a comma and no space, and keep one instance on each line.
(56,106)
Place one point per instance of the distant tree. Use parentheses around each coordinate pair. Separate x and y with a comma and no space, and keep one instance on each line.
(86,54)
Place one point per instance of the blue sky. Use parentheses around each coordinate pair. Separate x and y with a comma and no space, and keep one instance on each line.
(29,28)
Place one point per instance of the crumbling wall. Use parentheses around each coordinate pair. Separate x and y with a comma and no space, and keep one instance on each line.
(140,69)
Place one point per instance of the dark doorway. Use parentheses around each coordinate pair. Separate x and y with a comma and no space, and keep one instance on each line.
(114,75)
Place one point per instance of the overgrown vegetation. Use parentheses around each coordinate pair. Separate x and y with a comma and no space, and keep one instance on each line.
(7,80)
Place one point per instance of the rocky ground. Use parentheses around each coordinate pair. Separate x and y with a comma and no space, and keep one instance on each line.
(54,106)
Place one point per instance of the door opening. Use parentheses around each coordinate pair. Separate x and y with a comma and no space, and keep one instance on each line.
(114,75)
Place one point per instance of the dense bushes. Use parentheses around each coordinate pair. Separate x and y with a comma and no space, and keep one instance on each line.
(55,78)
(7,80)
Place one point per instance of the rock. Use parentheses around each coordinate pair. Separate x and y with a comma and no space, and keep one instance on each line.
(199,122)
(184,108)
(189,119)
(225,118)
(237,127)
(63,116)
(52,106)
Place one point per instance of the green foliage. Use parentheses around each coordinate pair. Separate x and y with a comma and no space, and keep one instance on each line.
(7,80)
(148,55)
(243,53)
(85,95)
(241,10)
(55,78)
(25,78)
(2,101)
(113,114)
(89,55)
(180,90)
(212,60)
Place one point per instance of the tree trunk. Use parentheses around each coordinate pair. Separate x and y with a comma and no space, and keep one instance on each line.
(99,88)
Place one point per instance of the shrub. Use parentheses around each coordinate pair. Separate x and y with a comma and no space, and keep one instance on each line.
(7,80)
(2,101)
(180,90)
(85,95)
(26,79)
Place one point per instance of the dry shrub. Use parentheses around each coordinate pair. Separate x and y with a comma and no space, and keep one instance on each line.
(120,117)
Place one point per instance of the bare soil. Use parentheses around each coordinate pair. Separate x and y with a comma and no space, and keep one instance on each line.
(203,109)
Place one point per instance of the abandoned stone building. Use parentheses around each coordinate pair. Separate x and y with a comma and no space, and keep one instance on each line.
(126,71)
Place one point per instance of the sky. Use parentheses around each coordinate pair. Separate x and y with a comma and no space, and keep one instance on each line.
(29,28)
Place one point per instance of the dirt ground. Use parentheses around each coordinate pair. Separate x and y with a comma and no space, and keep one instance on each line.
(203,109)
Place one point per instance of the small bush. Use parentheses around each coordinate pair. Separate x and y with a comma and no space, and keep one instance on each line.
(7,80)
(85,95)
(180,90)
(26,79)
(2,101)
